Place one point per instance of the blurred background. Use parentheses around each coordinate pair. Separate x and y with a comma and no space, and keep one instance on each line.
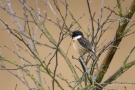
(78,8)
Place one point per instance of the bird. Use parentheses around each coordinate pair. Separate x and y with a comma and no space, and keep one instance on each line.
(81,44)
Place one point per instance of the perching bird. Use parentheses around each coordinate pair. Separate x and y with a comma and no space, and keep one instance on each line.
(81,44)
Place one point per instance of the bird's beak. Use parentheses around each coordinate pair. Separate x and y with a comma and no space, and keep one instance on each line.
(70,33)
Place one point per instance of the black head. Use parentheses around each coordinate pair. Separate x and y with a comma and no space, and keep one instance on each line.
(76,33)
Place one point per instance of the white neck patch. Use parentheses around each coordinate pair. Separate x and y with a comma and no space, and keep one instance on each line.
(77,37)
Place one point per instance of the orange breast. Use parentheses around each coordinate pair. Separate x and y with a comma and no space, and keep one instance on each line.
(78,48)
(73,41)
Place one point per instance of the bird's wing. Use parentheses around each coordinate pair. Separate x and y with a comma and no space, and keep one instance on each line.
(85,43)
